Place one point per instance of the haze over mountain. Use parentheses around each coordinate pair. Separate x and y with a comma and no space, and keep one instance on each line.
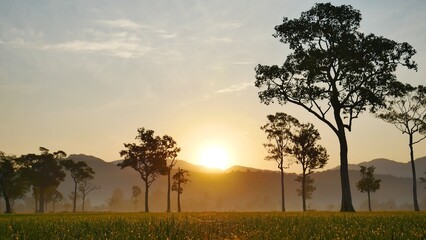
(242,189)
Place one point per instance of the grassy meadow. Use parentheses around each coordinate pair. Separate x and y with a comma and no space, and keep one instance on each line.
(311,225)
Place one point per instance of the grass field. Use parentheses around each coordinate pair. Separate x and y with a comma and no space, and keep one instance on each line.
(312,225)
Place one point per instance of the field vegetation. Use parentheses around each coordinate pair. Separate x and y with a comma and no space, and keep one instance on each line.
(273,225)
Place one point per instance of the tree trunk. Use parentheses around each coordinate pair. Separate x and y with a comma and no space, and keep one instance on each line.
(282,190)
(7,202)
(369,201)
(146,196)
(178,190)
(413,169)
(41,201)
(82,202)
(346,204)
(168,190)
(75,196)
(304,191)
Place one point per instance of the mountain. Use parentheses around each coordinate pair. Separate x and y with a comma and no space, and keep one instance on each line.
(239,189)
(390,167)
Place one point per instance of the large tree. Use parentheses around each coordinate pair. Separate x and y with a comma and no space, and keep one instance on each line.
(307,152)
(334,72)
(43,171)
(180,178)
(279,132)
(147,158)
(79,171)
(12,185)
(368,183)
(408,114)
(170,152)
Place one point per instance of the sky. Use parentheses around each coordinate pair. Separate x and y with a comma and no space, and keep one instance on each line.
(82,76)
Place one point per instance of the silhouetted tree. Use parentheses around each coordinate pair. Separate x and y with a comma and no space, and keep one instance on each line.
(278,132)
(79,171)
(368,182)
(54,196)
(136,192)
(147,158)
(84,188)
(307,153)
(334,72)
(408,114)
(170,151)
(180,178)
(309,187)
(43,171)
(12,185)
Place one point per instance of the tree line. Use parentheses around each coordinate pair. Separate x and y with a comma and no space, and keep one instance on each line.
(42,173)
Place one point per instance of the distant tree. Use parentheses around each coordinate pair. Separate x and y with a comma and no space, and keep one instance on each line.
(54,196)
(180,178)
(136,192)
(43,171)
(12,184)
(307,152)
(170,150)
(79,171)
(278,132)
(309,187)
(368,182)
(84,188)
(147,158)
(408,114)
(116,200)
(423,180)
(334,72)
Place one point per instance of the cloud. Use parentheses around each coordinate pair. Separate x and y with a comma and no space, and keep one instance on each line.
(115,47)
(236,88)
(229,25)
(121,23)
(243,63)
(218,40)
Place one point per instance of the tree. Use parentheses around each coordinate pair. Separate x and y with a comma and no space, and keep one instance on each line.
(43,171)
(170,151)
(180,178)
(334,72)
(423,180)
(12,185)
(54,196)
(84,188)
(307,153)
(146,158)
(136,192)
(309,187)
(80,171)
(278,132)
(368,182)
(408,114)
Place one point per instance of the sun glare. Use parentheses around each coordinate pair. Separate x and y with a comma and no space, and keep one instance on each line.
(214,157)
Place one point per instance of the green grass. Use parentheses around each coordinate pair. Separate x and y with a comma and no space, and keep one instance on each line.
(312,225)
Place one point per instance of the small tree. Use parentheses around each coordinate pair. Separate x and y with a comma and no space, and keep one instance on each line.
(147,158)
(170,151)
(368,182)
(307,153)
(180,178)
(278,132)
(423,180)
(80,171)
(84,188)
(408,114)
(136,192)
(12,184)
(334,72)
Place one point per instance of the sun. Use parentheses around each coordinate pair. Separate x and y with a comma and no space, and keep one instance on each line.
(214,157)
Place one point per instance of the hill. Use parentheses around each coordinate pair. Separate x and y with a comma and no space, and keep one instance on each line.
(241,189)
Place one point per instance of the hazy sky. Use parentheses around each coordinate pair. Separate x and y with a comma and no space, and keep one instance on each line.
(82,76)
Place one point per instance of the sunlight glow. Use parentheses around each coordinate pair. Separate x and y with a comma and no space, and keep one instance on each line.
(214,157)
